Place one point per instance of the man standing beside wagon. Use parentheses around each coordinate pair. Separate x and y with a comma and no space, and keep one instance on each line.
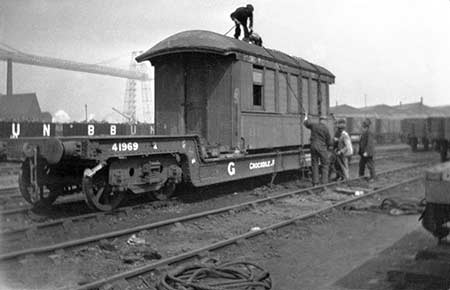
(320,142)
(366,150)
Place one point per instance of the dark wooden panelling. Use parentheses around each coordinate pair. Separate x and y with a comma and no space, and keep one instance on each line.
(313,98)
(270,130)
(269,90)
(324,98)
(246,85)
(305,94)
(220,97)
(282,92)
(169,95)
(293,94)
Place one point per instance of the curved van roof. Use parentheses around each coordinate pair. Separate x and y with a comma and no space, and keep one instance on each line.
(211,42)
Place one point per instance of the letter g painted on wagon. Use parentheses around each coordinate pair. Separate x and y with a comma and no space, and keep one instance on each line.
(231,169)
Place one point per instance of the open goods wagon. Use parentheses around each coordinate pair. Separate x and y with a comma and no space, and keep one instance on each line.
(224,110)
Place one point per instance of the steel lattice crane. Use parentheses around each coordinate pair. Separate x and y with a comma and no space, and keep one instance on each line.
(129,104)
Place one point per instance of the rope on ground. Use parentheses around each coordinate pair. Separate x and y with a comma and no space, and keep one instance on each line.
(392,206)
(212,276)
(397,207)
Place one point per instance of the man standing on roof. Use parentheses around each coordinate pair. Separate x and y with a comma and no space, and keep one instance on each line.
(366,150)
(240,17)
(320,142)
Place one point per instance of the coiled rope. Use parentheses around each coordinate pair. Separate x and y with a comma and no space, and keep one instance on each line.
(212,276)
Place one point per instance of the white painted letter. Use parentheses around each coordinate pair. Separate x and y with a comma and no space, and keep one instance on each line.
(45,130)
(133,129)
(112,130)
(91,129)
(231,169)
(15,127)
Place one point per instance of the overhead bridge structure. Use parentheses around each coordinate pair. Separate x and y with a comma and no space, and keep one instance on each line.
(11,55)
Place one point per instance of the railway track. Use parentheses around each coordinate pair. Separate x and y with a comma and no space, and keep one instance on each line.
(24,218)
(9,168)
(136,278)
(14,208)
(293,199)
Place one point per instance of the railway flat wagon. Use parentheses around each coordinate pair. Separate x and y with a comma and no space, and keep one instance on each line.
(224,110)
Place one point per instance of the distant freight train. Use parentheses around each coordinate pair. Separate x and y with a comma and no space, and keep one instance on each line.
(426,132)
(224,110)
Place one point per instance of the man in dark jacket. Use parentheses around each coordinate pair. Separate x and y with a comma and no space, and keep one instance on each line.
(320,142)
(366,150)
(240,17)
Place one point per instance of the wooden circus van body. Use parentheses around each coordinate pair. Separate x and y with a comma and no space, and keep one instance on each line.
(234,94)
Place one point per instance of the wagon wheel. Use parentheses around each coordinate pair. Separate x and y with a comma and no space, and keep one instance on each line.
(99,194)
(165,192)
(26,189)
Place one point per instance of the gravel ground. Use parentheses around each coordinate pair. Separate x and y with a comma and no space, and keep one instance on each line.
(326,252)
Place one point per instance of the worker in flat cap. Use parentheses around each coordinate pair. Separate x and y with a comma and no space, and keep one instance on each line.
(240,17)
(366,150)
(320,142)
(344,151)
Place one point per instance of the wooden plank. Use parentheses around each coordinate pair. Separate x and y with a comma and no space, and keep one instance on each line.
(269,90)
(282,92)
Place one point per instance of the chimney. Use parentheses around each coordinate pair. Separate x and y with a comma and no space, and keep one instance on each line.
(421,100)
(9,78)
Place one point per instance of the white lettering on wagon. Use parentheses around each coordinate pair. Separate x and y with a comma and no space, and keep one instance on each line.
(261,164)
(15,128)
(124,146)
(46,130)
(91,130)
(37,129)
(231,169)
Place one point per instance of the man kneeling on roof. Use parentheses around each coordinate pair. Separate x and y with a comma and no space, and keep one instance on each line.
(240,16)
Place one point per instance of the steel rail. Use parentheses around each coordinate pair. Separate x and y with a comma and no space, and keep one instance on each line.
(194,253)
(72,243)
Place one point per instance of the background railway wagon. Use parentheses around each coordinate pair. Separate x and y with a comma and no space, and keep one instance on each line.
(416,131)
(440,134)
(387,130)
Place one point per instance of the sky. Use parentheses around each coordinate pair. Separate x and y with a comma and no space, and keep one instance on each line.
(380,51)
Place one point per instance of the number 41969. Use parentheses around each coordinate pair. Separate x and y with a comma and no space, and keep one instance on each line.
(124,146)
